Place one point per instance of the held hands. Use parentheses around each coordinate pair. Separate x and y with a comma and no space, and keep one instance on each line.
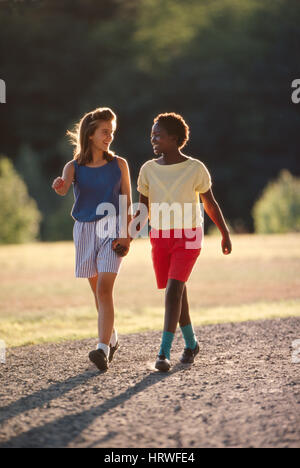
(121,246)
(58,183)
(226,244)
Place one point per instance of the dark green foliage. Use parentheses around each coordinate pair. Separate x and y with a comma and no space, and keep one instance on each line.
(19,215)
(278,209)
(226,65)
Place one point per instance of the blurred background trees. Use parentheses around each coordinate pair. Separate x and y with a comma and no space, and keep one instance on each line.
(278,209)
(19,215)
(225,65)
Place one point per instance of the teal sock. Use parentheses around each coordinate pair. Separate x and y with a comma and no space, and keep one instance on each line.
(189,336)
(166,344)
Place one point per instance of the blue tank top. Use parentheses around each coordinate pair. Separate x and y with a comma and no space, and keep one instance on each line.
(95,185)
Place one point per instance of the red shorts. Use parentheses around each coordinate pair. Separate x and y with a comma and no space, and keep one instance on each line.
(174,257)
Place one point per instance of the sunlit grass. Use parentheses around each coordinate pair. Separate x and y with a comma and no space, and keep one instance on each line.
(40,300)
(78,323)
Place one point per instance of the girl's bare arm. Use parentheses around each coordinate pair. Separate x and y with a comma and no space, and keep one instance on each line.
(62,184)
(126,190)
(213,210)
(121,245)
(141,212)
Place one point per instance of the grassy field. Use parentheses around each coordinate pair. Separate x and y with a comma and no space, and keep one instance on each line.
(41,301)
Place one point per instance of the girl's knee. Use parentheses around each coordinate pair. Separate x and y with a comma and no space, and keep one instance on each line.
(104,294)
(174,290)
(104,291)
(105,287)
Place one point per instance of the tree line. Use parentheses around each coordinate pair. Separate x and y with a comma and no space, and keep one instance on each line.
(227,66)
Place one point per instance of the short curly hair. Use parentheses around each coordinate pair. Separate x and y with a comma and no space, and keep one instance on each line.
(174,124)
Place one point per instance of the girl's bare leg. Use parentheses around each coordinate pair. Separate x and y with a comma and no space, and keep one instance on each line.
(106,313)
(173,304)
(93,283)
(185,318)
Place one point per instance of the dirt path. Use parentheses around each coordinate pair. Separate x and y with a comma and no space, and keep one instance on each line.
(242,391)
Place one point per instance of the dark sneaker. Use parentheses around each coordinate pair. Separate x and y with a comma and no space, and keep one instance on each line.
(189,355)
(112,350)
(98,357)
(162,363)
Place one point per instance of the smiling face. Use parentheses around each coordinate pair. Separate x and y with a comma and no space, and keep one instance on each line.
(103,135)
(161,140)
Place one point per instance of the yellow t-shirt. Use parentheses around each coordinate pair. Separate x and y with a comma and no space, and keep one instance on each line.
(173,192)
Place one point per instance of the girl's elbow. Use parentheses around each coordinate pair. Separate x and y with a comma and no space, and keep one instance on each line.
(212,204)
(211,207)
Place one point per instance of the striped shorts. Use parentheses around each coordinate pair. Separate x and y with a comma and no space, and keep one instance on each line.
(93,244)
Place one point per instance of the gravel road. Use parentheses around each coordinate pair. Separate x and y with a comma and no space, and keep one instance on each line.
(242,391)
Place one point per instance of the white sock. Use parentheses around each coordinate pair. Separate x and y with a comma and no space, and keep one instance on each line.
(114,339)
(104,348)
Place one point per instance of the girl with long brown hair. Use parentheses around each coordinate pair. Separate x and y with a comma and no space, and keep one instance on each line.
(99,177)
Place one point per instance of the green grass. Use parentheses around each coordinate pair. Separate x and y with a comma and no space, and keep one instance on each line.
(41,301)
(81,322)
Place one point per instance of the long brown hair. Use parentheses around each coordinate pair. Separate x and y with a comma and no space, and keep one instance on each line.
(80,136)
